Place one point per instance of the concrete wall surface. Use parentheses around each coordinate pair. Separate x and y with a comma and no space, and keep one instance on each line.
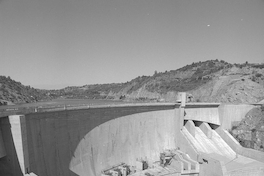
(207,114)
(2,146)
(20,139)
(210,166)
(83,142)
(229,113)
(247,152)
(127,139)
(186,147)
(13,163)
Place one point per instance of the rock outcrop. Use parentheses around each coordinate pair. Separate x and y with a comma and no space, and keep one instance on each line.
(250,131)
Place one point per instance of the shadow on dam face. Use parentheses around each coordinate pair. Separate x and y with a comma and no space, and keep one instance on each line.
(83,142)
(10,161)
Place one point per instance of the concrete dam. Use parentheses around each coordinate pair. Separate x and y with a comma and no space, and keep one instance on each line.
(136,139)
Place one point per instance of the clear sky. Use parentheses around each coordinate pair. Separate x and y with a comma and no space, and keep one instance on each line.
(56,43)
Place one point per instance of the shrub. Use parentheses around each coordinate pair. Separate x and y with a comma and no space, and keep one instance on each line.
(262,107)
(258,75)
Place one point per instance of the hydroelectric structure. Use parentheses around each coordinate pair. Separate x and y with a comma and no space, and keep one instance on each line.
(152,139)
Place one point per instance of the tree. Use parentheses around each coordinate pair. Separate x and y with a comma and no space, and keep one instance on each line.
(262,107)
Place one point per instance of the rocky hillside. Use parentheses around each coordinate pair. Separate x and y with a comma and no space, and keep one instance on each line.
(250,131)
(14,92)
(235,84)
(209,81)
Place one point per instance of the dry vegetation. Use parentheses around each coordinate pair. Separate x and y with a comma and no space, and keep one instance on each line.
(209,81)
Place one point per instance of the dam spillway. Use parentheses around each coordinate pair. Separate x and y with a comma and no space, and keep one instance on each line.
(87,141)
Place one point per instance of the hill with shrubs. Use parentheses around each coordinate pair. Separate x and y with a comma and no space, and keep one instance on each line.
(208,81)
(14,92)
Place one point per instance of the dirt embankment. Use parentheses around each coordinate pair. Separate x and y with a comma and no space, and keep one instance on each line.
(234,85)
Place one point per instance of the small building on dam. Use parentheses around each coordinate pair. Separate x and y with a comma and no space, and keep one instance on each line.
(152,139)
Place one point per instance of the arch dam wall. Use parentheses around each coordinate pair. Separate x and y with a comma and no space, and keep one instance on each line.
(85,141)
